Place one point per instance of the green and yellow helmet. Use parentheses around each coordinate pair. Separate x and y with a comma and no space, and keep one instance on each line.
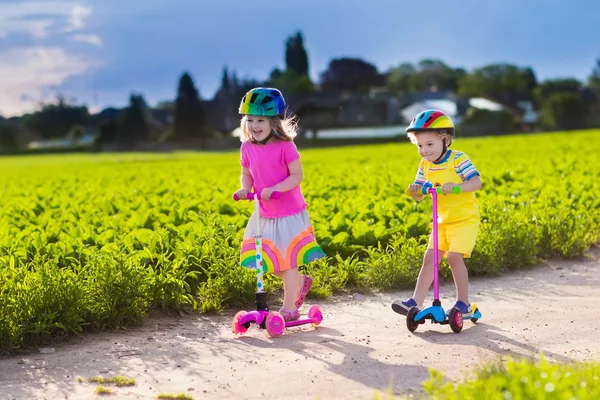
(263,102)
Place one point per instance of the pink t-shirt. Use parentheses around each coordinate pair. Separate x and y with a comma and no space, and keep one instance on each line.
(268,165)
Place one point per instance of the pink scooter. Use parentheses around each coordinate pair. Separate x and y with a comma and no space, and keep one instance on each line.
(272,321)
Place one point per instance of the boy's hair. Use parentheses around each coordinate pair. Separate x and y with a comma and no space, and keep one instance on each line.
(443,133)
(284,127)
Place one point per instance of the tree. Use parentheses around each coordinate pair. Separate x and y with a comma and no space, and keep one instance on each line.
(427,75)
(350,74)
(8,138)
(290,82)
(296,58)
(477,122)
(594,88)
(109,131)
(55,120)
(433,75)
(398,79)
(167,105)
(227,89)
(135,120)
(505,83)
(564,110)
(551,86)
(188,114)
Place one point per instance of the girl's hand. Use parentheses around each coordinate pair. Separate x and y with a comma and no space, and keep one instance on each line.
(447,187)
(266,193)
(242,194)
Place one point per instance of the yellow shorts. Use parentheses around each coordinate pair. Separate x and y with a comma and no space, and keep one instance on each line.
(457,237)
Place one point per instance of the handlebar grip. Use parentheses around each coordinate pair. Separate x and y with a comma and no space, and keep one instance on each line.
(250,196)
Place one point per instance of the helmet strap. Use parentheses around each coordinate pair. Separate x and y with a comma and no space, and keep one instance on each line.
(443,151)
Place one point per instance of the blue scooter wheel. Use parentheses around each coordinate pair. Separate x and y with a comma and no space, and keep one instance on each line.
(411,324)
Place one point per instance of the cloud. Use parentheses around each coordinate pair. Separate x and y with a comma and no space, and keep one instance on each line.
(91,39)
(79,14)
(41,19)
(35,18)
(28,74)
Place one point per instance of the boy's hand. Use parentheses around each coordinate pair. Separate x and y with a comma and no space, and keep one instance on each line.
(447,187)
(416,191)
(415,188)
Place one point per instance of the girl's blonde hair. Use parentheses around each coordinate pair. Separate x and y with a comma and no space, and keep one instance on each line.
(443,133)
(285,128)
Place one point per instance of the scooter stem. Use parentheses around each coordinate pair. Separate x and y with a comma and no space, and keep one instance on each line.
(260,285)
(436,284)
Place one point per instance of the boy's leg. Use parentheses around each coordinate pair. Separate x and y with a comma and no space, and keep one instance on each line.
(424,282)
(461,238)
(425,278)
(460,275)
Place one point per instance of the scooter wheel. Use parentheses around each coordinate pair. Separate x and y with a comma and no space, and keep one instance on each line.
(237,328)
(456,320)
(411,324)
(474,309)
(315,313)
(275,324)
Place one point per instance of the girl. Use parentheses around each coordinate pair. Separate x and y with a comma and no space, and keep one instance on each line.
(271,163)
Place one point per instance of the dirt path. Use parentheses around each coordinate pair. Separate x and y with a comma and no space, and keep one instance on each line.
(361,347)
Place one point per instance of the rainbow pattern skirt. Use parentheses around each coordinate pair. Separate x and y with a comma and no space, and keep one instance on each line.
(287,242)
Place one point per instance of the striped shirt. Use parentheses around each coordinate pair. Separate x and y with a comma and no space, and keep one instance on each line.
(455,167)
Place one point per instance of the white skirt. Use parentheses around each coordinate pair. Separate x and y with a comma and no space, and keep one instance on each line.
(287,242)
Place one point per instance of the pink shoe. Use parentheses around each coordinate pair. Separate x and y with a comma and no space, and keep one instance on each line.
(306,284)
(289,315)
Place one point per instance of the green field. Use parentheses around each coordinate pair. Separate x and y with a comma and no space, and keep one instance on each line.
(96,241)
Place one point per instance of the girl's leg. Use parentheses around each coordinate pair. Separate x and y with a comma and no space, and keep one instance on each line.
(461,276)
(291,283)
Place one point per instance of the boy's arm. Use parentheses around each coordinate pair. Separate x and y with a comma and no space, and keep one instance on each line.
(472,185)
(468,174)
(420,180)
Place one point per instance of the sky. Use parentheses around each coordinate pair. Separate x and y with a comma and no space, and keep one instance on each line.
(97,52)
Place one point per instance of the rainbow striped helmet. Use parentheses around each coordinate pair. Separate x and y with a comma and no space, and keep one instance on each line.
(262,102)
(431,120)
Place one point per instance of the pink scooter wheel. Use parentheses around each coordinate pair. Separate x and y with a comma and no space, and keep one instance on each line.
(275,324)
(237,328)
(456,320)
(315,313)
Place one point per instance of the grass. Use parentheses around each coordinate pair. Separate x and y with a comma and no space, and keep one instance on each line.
(97,241)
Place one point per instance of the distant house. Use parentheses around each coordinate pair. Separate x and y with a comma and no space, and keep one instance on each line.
(341,109)
(530,117)
(86,141)
(454,108)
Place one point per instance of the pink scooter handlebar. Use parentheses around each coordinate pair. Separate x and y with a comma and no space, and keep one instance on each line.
(250,196)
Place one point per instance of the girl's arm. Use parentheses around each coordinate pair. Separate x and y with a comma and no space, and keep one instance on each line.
(246,179)
(246,182)
(296,176)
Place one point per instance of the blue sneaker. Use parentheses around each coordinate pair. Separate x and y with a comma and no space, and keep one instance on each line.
(464,309)
(402,307)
